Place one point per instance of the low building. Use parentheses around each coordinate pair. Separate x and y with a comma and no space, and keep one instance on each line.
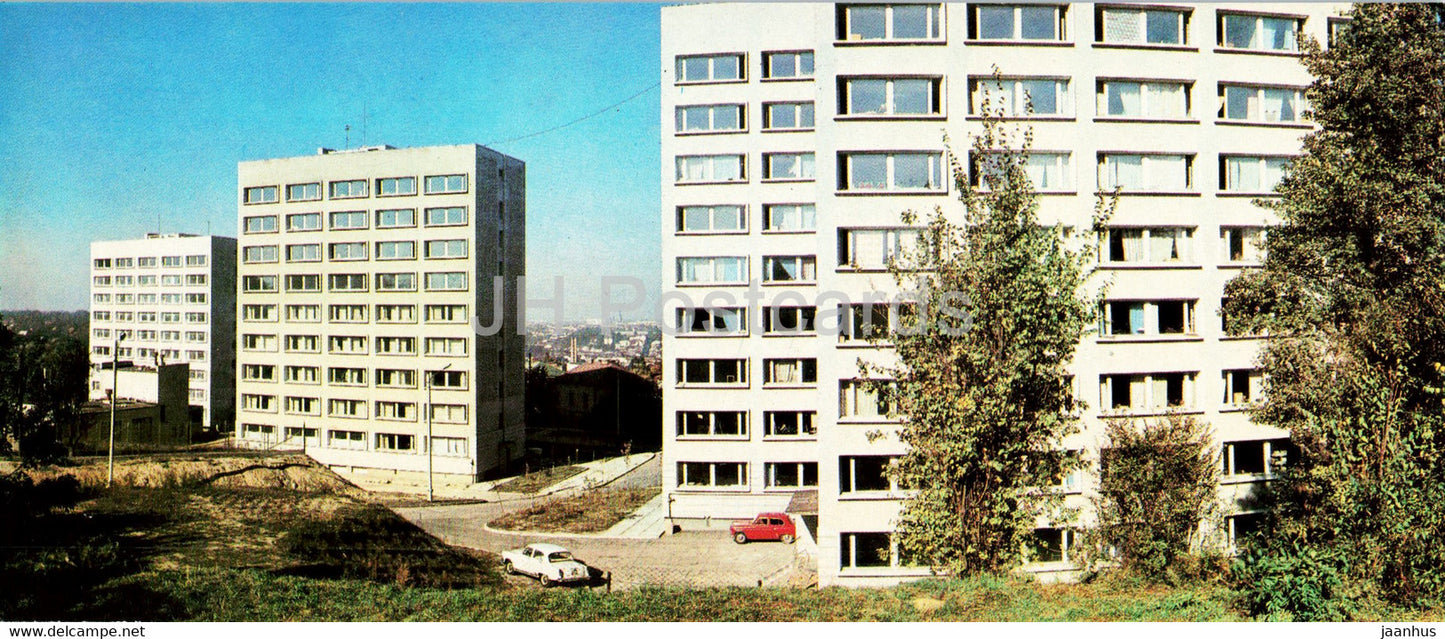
(151,410)
(595,410)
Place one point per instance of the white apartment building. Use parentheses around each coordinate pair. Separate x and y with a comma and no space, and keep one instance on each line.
(361,272)
(173,298)
(794,135)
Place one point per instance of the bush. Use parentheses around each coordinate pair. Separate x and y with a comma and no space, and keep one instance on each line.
(1292,581)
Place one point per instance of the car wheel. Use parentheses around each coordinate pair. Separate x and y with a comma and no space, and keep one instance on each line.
(546,581)
(507,566)
(740,538)
(787,539)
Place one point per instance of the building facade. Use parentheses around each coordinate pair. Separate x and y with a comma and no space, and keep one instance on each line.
(173,298)
(361,274)
(795,134)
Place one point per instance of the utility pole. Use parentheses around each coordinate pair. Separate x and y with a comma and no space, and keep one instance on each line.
(114,397)
(430,492)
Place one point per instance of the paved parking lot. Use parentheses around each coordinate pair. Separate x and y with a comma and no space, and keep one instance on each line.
(683,559)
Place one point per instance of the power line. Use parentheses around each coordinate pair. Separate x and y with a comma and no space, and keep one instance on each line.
(581,119)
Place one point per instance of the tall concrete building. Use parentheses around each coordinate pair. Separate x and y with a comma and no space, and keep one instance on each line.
(361,273)
(795,134)
(173,298)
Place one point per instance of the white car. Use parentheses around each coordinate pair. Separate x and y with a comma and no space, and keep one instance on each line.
(549,563)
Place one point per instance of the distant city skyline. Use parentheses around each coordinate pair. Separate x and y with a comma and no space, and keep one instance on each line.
(121,120)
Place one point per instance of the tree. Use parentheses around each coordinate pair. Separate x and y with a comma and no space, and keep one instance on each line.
(1157,483)
(42,385)
(985,395)
(1353,292)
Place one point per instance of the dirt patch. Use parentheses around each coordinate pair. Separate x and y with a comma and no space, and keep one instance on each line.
(296,473)
(535,482)
(593,511)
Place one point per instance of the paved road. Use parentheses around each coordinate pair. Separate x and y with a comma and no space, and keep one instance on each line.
(684,559)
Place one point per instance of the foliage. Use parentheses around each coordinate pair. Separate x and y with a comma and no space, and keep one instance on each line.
(1157,483)
(985,392)
(42,385)
(1293,582)
(1353,291)
(590,512)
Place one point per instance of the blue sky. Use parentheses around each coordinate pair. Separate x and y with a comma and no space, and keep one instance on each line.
(114,114)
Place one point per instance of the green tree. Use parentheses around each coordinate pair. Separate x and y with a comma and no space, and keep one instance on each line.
(1353,293)
(985,394)
(42,385)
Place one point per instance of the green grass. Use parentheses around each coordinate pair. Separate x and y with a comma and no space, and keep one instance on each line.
(592,511)
(533,482)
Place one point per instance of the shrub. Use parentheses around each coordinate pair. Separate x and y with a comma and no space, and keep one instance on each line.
(1292,581)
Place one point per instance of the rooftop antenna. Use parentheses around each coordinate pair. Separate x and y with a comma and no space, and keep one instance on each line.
(348,137)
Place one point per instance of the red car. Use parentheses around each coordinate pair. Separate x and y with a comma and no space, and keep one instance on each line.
(764,527)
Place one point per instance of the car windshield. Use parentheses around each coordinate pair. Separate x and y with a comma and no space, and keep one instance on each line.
(558,557)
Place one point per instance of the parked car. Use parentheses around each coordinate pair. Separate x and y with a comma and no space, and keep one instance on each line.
(549,563)
(764,527)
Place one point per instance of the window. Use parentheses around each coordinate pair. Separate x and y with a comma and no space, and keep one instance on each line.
(301,374)
(446,281)
(1052,544)
(258,312)
(1259,33)
(396,281)
(258,284)
(196,279)
(303,284)
(1337,27)
(396,186)
(710,118)
(449,413)
(196,318)
(446,346)
(446,184)
(890,96)
(890,22)
(347,313)
(874,249)
(1018,22)
(1162,317)
(1151,245)
(788,166)
(866,550)
(1261,104)
(787,65)
(794,423)
(712,475)
(1256,457)
(303,344)
(789,320)
(260,343)
(880,172)
(1143,100)
(257,224)
(346,282)
(195,260)
(1047,171)
(303,192)
(713,321)
(395,314)
(346,220)
(1020,97)
(1250,174)
(790,269)
(346,376)
(784,475)
(100,281)
(125,262)
(1152,392)
(787,116)
(864,399)
(348,189)
(446,216)
(449,446)
(1127,25)
(396,345)
(444,249)
(712,372)
(868,322)
(395,218)
(446,313)
(346,439)
(260,195)
(864,473)
(396,250)
(346,251)
(790,372)
(101,316)
(349,408)
(394,378)
(710,68)
(265,403)
(303,312)
(723,218)
(101,263)
(400,411)
(303,253)
(303,222)
(1242,243)
(1243,387)
(1145,173)
(712,270)
(789,218)
(711,168)
(150,262)
(251,255)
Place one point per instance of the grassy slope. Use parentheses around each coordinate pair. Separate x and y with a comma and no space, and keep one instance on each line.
(594,511)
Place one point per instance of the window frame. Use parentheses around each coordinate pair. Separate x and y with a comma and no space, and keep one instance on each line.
(678,73)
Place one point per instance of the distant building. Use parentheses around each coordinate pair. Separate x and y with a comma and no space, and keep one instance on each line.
(152,410)
(173,298)
(596,410)
(360,274)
